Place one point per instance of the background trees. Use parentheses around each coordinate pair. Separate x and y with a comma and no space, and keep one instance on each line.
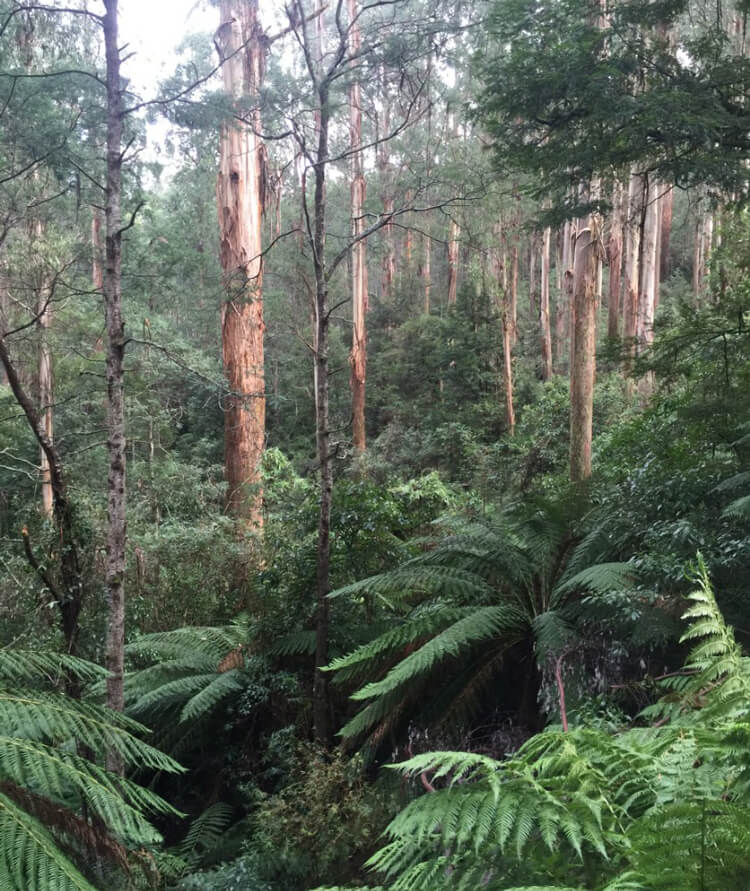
(541,210)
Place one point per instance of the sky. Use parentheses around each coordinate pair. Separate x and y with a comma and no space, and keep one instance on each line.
(154,29)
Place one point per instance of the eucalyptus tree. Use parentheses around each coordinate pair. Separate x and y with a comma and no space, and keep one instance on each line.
(239,191)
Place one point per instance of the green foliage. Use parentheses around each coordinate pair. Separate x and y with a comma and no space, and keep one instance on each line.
(485,599)
(659,806)
(61,812)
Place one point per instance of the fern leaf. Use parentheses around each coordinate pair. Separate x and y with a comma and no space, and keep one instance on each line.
(479,626)
(222,686)
(29,856)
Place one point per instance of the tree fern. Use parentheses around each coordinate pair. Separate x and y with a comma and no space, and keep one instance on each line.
(652,807)
(60,812)
(479,594)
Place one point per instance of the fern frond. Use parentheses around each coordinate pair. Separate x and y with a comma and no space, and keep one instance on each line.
(212,694)
(367,656)
(33,666)
(299,643)
(418,577)
(30,857)
(204,833)
(600,578)
(213,642)
(469,631)
(50,718)
(61,775)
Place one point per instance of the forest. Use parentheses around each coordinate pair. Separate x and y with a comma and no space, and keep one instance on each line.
(375,446)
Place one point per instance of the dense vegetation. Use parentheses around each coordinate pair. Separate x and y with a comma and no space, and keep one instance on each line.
(491,638)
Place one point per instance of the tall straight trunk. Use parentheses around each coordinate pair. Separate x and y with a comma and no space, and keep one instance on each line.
(45,401)
(425,271)
(707,237)
(321,717)
(544,322)
(388,266)
(510,415)
(358,355)
(614,259)
(583,351)
(648,275)
(453,243)
(532,275)
(632,268)
(409,239)
(116,493)
(513,301)
(665,258)
(239,201)
(565,297)
(498,274)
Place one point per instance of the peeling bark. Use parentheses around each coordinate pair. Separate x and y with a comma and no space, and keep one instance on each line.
(239,195)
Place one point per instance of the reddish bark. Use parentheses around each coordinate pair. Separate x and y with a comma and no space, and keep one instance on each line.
(239,200)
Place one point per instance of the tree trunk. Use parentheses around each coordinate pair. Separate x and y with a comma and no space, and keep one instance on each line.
(388,267)
(358,355)
(498,269)
(45,400)
(425,270)
(240,205)
(565,297)
(632,268)
(116,524)
(532,275)
(665,258)
(544,322)
(583,351)
(513,302)
(649,272)
(455,233)
(614,259)
(321,717)
(70,595)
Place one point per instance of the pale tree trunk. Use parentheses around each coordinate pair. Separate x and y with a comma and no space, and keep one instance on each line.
(408,239)
(358,355)
(116,524)
(614,259)
(648,277)
(544,321)
(583,351)
(43,289)
(45,401)
(453,243)
(564,313)
(454,233)
(240,202)
(513,302)
(632,269)
(498,270)
(698,256)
